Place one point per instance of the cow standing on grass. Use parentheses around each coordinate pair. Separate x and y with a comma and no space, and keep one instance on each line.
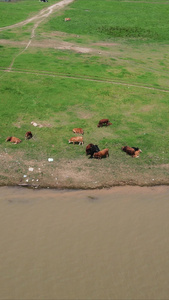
(78,130)
(104,122)
(91,149)
(76,140)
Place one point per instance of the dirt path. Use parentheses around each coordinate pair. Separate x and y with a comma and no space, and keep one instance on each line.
(43,14)
(55,44)
(37,19)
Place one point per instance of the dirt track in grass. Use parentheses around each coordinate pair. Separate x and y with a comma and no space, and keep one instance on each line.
(37,19)
(41,16)
(60,45)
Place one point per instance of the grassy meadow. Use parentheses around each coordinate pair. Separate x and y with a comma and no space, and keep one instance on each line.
(133,69)
(14,12)
(145,20)
(124,77)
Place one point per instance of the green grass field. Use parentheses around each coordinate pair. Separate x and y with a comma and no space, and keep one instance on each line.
(14,12)
(146,21)
(131,69)
(138,116)
(124,78)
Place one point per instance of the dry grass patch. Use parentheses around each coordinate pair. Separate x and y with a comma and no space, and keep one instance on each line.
(81,113)
(147,108)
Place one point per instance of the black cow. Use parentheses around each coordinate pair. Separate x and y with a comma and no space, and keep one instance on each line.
(91,149)
(135,148)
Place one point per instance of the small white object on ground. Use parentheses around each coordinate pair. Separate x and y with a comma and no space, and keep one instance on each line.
(34,124)
(31,169)
(50,159)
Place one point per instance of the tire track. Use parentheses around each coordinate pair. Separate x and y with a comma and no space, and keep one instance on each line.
(37,19)
(87,79)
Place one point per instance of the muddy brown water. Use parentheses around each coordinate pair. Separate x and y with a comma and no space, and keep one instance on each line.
(102,244)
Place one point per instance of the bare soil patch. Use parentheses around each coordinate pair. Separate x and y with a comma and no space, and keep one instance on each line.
(105,44)
(166,166)
(81,112)
(82,173)
(147,108)
(55,44)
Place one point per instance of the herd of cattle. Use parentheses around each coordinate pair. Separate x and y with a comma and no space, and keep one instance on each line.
(91,149)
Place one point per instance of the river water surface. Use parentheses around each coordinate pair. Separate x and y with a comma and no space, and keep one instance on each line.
(102,244)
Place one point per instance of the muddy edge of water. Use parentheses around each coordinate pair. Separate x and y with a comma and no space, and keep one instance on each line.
(81,187)
(103,190)
(84,186)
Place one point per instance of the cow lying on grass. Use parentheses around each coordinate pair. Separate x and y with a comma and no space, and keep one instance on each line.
(76,139)
(101,154)
(132,151)
(28,135)
(91,149)
(67,19)
(104,122)
(78,130)
(137,153)
(13,140)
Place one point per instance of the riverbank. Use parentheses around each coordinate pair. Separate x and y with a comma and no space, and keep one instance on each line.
(126,76)
(81,173)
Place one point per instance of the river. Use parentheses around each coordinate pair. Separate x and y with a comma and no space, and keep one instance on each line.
(93,244)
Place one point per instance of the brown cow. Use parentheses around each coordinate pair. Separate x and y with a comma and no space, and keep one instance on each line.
(67,19)
(28,135)
(104,122)
(13,140)
(101,154)
(134,152)
(78,130)
(76,139)
(137,153)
